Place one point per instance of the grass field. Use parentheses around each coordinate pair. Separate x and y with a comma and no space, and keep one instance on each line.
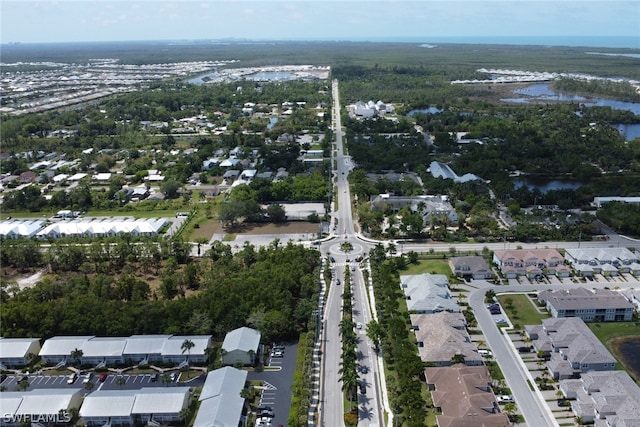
(612,334)
(434,266)
(522,311)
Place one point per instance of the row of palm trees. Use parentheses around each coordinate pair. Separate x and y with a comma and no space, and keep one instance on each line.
(348,372)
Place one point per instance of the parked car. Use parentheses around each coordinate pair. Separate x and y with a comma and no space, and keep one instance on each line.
(504,398)
(485,353)
(175,376)
(72,378)
(500,320)
(102,378)
(154,377)
(86,377)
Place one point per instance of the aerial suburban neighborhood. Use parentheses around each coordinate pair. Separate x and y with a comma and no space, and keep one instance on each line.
(236,233)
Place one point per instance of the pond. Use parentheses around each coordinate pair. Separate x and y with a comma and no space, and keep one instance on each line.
(430,110)
(628,350)
(548,184)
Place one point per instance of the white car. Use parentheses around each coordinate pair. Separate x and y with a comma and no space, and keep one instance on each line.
(505,398)
(72,378)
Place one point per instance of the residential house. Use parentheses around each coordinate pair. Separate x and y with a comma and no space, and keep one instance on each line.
(443,336)
(242,346)
(428,293)
(463,397)
(591,305)
(605,261)
(573,348)
(28,177)
(430,207)
(608,398)
(532,263)
(17,352)
(470,267)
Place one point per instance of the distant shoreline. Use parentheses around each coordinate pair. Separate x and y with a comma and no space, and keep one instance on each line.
(604,42)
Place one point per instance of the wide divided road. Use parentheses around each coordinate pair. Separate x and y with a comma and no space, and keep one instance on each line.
(332,406)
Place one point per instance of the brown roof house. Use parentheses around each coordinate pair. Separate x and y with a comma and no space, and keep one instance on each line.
(530,263)
(463,396)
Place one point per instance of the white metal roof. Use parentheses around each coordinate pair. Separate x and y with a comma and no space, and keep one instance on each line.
(16,347)
(108,403)
(220,411)
(161,400)
(20,228)
(103,227)
(100,347)
(63,345)
(145,344)
(244,339)
(173,345)
(47,401)
(226,380)
(10,402)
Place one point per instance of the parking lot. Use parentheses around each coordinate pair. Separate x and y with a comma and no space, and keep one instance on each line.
(128,382)
(277,380)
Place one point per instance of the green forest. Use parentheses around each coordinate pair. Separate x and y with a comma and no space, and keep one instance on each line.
(154,290)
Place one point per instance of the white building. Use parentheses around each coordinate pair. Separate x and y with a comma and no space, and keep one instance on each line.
(134,349)
(154,405)
(103,227)
(220,401)
(16,352)
(20,229)
(38,407)
(241,346)
(174,352)
(58,349)
(144,349)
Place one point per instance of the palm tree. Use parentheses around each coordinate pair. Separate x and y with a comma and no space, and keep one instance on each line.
(349,379)
(187,345)
(166,379)
(120,381)
(89,386)
(184,414)
(76,354)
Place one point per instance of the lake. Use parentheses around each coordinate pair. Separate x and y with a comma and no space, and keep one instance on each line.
(630,132)
(541,91)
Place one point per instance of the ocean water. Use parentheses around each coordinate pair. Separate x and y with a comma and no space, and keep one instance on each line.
(574,41)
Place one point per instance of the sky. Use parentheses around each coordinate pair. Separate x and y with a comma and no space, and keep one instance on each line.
(29,21)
